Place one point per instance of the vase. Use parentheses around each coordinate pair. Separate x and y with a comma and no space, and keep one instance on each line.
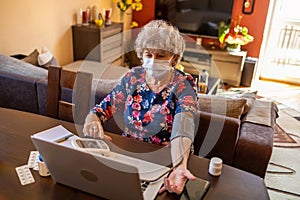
(122,16)
(234,48)
(126,18)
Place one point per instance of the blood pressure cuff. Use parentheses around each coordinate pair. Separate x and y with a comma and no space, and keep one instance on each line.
(183,126)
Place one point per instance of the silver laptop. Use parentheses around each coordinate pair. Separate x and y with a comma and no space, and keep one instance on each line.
(111,177)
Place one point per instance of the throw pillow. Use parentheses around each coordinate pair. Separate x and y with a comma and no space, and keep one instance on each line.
(45,59)
(250,98)
(231,107)
(32,58)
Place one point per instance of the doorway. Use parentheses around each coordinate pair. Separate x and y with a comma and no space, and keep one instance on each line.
(280,58)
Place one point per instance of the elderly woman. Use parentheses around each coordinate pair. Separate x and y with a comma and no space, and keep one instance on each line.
(156,101)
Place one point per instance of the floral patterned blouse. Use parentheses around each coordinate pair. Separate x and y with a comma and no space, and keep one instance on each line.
(148,116)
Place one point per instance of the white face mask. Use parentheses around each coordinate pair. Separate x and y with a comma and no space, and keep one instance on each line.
(156,68)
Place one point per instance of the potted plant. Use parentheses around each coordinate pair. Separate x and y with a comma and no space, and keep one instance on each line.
(233,36)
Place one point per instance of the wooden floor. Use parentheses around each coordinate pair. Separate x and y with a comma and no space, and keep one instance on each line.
(283,93)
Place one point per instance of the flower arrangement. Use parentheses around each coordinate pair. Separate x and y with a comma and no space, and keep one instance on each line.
(233,36)
(123,5)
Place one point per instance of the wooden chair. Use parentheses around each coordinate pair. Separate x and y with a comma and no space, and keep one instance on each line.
(80,84)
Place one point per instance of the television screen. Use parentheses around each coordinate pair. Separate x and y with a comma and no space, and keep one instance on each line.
(199,17)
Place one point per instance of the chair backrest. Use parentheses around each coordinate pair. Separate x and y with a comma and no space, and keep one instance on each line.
(80,84)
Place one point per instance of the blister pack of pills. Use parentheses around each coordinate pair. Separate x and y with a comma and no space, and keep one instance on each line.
(24,175)
(33,160)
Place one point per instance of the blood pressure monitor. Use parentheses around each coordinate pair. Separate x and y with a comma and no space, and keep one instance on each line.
(91,145)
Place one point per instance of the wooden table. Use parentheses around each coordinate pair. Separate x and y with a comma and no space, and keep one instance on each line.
(15,146)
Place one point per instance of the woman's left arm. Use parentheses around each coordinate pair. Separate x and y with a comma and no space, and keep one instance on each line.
(183,131)
(180,151)
(175,182)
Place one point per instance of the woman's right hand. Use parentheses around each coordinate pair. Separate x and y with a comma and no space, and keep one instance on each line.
(93,127)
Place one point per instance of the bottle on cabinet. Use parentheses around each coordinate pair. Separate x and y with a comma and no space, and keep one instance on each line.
(203,81)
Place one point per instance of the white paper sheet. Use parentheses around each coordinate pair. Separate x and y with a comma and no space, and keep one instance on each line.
(57,134)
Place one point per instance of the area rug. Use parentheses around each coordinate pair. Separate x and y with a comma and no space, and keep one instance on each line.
(281,137)
(283,174)
(287,129)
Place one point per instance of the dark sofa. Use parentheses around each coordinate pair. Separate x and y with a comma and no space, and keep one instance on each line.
(245,143)
(23,86)
(19,85)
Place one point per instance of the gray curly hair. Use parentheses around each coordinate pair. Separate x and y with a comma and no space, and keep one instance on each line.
(160,34)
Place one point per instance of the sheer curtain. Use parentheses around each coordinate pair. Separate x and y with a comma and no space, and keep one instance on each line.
(280,56)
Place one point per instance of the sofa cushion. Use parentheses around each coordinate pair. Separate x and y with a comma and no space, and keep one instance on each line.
(231,107)
(250,98)
(53,61)
(18,84)
(19,67)
(42,87)
(32,58)
(18,92)
(216,135)
(262,113)
(45,59)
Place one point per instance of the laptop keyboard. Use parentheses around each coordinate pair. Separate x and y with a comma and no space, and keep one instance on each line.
(144,185)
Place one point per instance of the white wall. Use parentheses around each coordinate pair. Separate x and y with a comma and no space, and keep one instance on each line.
(29,24)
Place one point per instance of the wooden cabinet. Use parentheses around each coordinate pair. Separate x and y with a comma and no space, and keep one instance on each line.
(227,66)
(230,66)
(98,44)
